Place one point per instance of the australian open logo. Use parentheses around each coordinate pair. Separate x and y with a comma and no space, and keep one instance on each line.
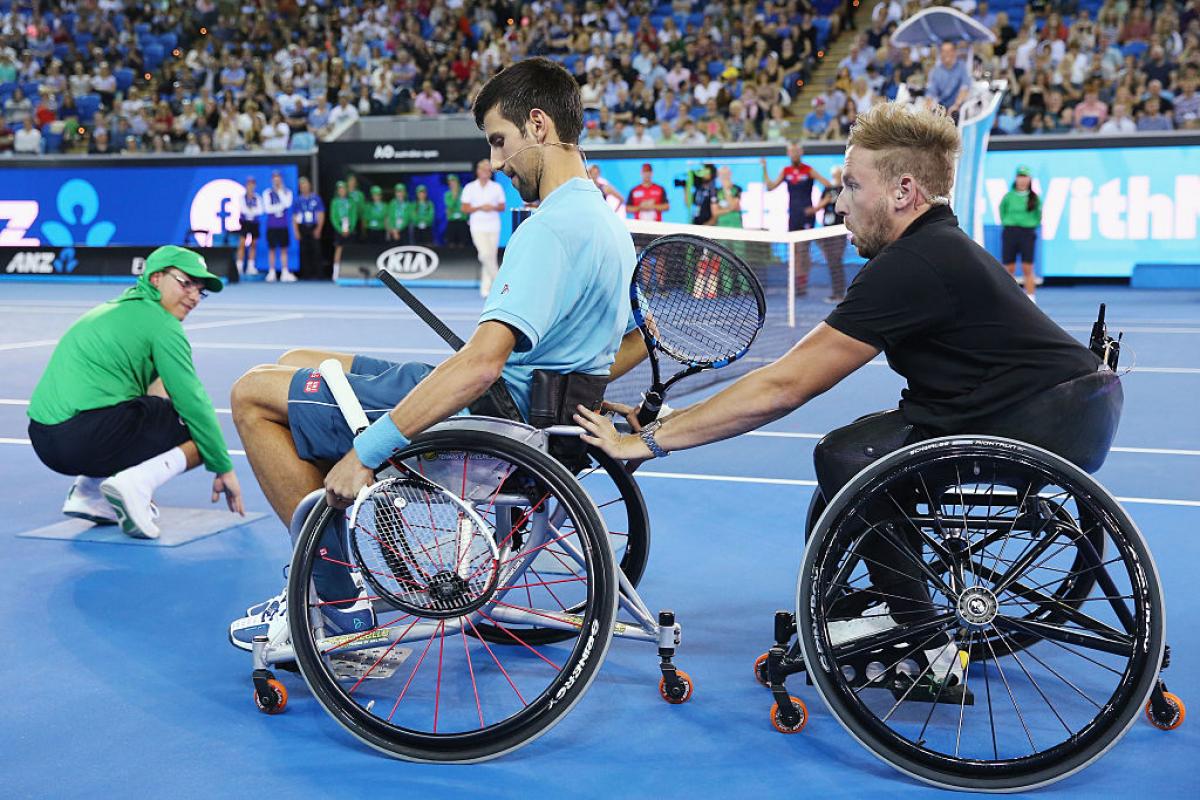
(408,262)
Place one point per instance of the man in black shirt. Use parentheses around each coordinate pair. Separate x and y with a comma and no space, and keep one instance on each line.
(978,356)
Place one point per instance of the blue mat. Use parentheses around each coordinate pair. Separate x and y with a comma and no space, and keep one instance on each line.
(179,526)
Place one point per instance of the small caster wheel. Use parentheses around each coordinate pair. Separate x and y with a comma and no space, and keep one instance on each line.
(760,669)
(271,698)
(680,692)
(784,725)
(1169,721)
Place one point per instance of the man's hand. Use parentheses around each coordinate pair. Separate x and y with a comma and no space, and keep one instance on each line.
(227,483)
(602,434)
(628,412)
(346,479)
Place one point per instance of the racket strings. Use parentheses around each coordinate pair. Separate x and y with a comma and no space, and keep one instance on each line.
(701,304)
(421,550)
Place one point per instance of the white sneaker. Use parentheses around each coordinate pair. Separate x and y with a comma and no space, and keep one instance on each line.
(131,505)
(270,622)
(84,501)
(251,269)
(271,278)
(337,269)
(875,619)
(287,276)
(946,663)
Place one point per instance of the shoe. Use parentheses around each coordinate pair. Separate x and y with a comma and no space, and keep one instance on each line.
(947,664)
(84,501)
(287,276)
(271,277)
(337,270)
(834,299)
(131,504)
(1032,298)
(251,269)
(271,622)
(352,619)
(873,620)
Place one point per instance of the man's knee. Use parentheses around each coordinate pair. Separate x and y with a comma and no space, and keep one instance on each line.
(261,393)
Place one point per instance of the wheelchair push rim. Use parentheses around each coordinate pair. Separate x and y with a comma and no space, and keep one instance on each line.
(432,689)
(907,687)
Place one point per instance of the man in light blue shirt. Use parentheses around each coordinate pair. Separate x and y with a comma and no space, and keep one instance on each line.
(949,80)
(560,303)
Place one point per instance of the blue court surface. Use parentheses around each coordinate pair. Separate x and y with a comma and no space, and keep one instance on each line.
(121,682)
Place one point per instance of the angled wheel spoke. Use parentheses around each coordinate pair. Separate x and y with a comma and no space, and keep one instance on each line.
(1121,645)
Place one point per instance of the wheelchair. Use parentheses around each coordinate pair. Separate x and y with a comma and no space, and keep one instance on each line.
(1036,638)
(494,663)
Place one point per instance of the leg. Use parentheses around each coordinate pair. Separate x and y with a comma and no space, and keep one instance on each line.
(260,414)
(304,357)
(270,260)
(1027,261)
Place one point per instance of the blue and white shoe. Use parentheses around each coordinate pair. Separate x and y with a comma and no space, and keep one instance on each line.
(352,619)
(272,621)
(258,608)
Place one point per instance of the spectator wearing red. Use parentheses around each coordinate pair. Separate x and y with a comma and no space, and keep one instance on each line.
(647,200)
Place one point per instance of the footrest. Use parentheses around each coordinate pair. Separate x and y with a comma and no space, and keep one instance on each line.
(178,526)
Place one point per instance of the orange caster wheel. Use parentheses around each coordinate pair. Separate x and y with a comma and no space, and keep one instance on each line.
(760,668)
(1171,720)
(782,719)
(271,696)
(678,693)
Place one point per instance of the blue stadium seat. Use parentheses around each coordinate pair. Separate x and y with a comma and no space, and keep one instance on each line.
(30,88)
(87,105)
(569,62)
(169,40)
(7,89)
(152,56)
(822,25)
(51,141)
(303,140)
(83,39)
(68,20)
(62,51)
(1135,49)
(715,68)
(142,29)
(124,76)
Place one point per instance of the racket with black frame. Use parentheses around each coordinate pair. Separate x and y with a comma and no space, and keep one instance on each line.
(695,302)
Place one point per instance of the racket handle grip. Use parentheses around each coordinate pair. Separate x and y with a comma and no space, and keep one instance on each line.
(651,405)
(339,387)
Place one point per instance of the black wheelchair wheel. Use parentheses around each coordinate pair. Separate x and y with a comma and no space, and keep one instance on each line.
(428,688)
(1061,681)
(619,500)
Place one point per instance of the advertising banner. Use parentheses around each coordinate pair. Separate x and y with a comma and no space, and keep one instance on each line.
(124,263)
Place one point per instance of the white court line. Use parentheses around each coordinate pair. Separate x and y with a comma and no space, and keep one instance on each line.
(27,345)
(685,476)
(249,321)
(341,348)
(1154,451)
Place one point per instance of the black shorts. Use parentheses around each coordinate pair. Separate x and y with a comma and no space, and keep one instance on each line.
(250,227)
(1015,242)
(277,237)
(104,441)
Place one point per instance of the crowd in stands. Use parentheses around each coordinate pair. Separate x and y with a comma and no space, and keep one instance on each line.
(111,76)
(1071,66)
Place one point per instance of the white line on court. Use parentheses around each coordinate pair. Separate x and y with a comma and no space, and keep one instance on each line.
(686,476)
(27,345)
(444,350)
(226,323)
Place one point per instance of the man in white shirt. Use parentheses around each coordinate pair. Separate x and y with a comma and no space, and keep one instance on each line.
(344,110)
(483,200)
(1120,122)
(640,137)
(28,140)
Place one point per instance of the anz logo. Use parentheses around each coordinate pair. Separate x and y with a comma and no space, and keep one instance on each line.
(408,263)
(78,206)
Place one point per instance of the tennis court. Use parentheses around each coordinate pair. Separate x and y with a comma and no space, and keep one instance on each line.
(122,682)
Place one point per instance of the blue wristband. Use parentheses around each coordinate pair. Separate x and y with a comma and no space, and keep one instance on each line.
(378,441)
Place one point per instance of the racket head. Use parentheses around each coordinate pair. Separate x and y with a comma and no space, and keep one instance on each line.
(696,301)
(423,549)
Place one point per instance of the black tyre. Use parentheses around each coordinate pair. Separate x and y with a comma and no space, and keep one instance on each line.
(428,689)
(900,677)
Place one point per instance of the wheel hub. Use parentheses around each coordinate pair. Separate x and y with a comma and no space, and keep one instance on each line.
(977,607)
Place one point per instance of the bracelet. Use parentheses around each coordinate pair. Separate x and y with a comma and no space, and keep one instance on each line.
(378,441)
(647,437)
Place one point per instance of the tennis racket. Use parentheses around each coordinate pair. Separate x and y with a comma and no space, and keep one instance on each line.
(421,547)
(698,304)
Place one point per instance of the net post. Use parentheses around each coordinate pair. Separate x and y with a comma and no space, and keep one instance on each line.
(791,285)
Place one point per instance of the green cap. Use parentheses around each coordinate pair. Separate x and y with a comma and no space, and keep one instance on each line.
(376,190)
(1024,170)
(340,185)
(189,262)
(400,187)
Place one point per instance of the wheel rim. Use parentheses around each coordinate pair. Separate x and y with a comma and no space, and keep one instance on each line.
(434,689)
(1062,675)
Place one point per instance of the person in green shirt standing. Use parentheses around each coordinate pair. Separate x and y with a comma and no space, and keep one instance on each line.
(375,218)
(120,406)
(727,202)
(343,215)
(1021,214)
(422,217)
(356,197)
(400,216)
(457,233)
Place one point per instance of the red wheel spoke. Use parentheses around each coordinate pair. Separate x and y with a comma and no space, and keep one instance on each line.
(379,660)
(471,671)
(576,579)
(549,591)
(518,639)
(412,675)
(437,692)
(503,671)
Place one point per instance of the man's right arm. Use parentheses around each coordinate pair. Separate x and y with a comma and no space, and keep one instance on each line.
(631,353)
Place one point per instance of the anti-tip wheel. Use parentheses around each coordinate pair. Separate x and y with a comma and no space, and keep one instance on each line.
(760,669)
(1171,721)
(782,726)
(677,694)
(273,700)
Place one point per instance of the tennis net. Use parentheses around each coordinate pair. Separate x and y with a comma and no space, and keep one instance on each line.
(801,273)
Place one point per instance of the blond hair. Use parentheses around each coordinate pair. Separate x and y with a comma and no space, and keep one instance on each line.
(921,142)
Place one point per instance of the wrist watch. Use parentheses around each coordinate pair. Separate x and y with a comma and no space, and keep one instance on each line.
(647,437)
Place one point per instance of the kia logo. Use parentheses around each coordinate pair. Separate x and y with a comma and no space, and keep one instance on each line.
(408,263)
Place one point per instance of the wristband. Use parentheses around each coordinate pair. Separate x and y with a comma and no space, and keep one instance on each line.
(378,441)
